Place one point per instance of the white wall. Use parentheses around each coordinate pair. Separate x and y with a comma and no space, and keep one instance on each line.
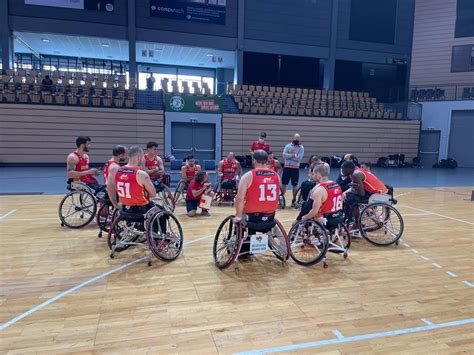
(437,115)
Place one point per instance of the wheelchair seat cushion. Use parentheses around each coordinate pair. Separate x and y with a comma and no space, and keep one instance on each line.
(334,219)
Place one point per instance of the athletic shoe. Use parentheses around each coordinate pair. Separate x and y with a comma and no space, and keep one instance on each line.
(205,213)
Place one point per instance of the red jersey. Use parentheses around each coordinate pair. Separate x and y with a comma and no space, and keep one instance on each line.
(263,192)
(257,145)
(107,166)
(191,172)
(151,164)
(333,202)
(229,169)
(273,165)
(371,183)
(194,185)
(83,165)
(129,190)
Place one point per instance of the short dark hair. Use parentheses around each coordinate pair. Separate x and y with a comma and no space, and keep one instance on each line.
(118,150)
(348,165)
(269,152)
(200,176)
(190,157)
(151,144)
(82,140)
(263,135)
(260,156)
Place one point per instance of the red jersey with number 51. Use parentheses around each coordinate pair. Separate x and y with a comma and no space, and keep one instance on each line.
(129,190)
(333,202)
(263,192)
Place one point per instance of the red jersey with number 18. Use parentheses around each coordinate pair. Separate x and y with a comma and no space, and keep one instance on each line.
(129,190)
(263,192)
(333,202)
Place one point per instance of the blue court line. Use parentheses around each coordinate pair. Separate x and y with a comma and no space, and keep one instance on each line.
(425,258)
(424,320)
(369,336)
(338,334)
(7,214)
(436,265)
(451,274)
(467,283)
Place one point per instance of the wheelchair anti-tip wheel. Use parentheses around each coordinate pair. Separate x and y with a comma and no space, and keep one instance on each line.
(164,235)
(309,242)
(227,243)
(381,224)
(77,209)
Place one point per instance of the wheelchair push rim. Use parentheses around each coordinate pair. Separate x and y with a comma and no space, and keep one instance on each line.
(309,242)
(105,216)
(164,244)
(77,209)
(166,199)
(279,243)
(381,224)
(341,238)
(281,200)
(227,243)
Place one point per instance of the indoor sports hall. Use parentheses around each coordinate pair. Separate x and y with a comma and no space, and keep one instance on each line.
(236,176)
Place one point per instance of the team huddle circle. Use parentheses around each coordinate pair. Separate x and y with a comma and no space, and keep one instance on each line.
(135,206)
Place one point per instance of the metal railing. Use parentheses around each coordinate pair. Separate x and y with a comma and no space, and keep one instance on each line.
(441,92)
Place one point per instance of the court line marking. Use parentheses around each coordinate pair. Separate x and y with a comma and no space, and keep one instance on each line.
(426,321)
(436,265)
(414,250)
(338,334)
(403,194)
(439,215)
(451,274)
(467,283)
(424,257)
(88,282)
(7,214)
(369,336)
(406,244)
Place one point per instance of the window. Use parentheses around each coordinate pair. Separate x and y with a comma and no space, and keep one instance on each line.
(462,58)
(464,19)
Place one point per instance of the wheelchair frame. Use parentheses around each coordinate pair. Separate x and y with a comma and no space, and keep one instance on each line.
(81,189)
(220,196)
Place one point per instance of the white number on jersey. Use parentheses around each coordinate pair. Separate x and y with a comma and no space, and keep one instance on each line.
(123,189)
(268,192)
(337,203)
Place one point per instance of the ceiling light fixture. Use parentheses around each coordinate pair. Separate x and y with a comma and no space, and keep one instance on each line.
(105,45)
(44,40)
(210,55)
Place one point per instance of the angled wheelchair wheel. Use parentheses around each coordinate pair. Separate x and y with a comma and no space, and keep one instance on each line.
(104,217)
(281,201)
(381,224)
(122,232)
(77,209)
(227,243)
(299,199)
(279,243)
(309,242)
(166,199)
(179,192)
(164,235)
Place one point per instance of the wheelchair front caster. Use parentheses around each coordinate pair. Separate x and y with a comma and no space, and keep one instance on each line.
(112,256)
(325,265)
(99,235)
(345,255)
(62,224)
(397,242)
(149,263)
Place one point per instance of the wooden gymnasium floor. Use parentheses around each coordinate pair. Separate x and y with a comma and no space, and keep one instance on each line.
(414,298)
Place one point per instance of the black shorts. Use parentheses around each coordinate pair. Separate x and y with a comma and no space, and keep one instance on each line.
(228,184)
(159,185)
(290,174)
(306,187)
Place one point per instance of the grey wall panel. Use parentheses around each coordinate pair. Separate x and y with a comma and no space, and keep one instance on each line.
(461,143)
(306,22)
(118,17)
(228,30)
(403,33)
(286,49)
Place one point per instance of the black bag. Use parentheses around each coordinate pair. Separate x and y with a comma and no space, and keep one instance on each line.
(446,164)
(382,162)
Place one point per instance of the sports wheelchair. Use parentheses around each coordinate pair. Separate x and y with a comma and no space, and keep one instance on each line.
(79,206)
(163,194)
(311,240)
(379,221)
(281,200)
(227,197)
(257,237)
(181,189)
(105,214)
(156,229)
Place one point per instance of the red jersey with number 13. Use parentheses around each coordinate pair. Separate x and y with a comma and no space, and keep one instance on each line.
(263,192)
(333,202)
(129,190)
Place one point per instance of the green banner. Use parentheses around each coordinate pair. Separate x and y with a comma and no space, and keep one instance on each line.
(193,103)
